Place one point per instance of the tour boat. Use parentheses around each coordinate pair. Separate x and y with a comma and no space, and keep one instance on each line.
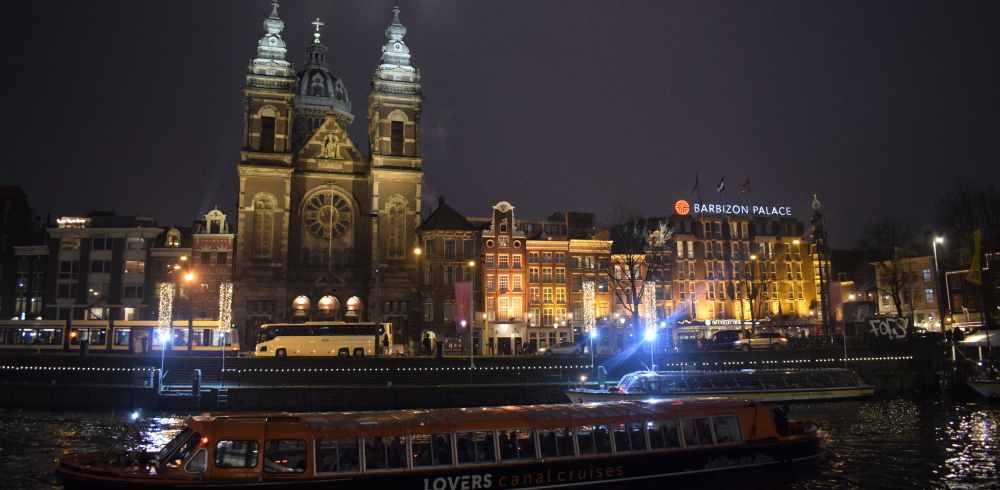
(755,385)
(536,446)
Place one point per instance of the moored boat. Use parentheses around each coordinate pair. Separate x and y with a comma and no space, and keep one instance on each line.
(755,385)
(539,446)
(989,388)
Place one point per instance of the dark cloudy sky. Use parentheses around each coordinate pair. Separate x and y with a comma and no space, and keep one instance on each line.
(876,107)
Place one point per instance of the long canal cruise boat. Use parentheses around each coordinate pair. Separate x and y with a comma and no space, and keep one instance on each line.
(537,446)
(754,385)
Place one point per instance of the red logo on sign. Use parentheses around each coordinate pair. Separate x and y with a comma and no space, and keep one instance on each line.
(682,207)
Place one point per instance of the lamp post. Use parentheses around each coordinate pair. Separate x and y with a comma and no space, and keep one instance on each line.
(188,277)
(650,338)
(472,316)
(593,333)
(938,283)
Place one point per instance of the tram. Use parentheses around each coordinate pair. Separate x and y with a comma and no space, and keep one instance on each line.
(537,446)
(119,336)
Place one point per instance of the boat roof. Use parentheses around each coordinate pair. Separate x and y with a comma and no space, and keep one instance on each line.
(411,421)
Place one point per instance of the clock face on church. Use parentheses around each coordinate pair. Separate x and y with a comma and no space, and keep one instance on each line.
(327,215)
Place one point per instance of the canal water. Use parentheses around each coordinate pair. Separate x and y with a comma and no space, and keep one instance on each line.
(887,442)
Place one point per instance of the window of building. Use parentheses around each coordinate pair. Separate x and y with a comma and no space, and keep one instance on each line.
(546,274)
(135,266)
(267,125)
(449,275)
(533,275)
(206,258)
(709,270)
(535,317)
(132,291)
(547,295)
(577,283)
(69,243)
(547,257)
(534,295)
(503,241)
(489,282)
(66,290)
(532,257)
(428,275)
(489,261)
(135,243)
(100,266)
(69,269)
(449,312)
(516,261)
(221,258)
(469,248)
(560,258)
(927,275)
(428,311)
(503,308)
(504,283)
(516,309)
(928,296)
(504,261)
(560,275)
(547,316)
(396,138)
(561,295)
(449,249)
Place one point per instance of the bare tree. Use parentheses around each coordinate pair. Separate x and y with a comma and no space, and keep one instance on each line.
(639,253)
(889,244)
(749,283)
(967,208)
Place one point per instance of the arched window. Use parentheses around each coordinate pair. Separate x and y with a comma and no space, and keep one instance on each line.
(397,229)
(268,118)
(263,225)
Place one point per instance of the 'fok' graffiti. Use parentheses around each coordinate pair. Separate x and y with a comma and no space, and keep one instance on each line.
(894,328)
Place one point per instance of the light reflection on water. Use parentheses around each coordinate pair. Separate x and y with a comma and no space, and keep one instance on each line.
(883,443)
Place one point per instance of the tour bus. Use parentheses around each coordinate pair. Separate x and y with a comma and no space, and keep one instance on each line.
(321,339)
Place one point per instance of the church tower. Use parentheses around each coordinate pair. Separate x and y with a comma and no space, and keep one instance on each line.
(265,169)
(395,179)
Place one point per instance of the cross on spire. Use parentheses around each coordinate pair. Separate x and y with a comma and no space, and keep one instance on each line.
(316,23)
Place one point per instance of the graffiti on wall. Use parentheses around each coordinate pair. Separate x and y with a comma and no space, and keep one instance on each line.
(891,328)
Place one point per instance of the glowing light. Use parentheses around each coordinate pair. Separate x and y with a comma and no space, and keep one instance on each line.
(589,307)
(225,307)
(166,293)
(649,304)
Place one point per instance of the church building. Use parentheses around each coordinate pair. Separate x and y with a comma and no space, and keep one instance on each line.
(326,227)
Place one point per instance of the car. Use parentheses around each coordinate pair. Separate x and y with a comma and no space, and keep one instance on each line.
(563,348)
(726,340)
(769,340)
(922,336)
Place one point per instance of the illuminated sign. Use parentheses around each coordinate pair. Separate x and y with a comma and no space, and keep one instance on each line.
(682,207)
(73,222)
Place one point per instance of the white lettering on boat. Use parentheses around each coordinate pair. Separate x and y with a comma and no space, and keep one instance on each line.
(464,482)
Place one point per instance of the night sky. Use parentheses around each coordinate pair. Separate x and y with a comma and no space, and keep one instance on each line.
(877,107)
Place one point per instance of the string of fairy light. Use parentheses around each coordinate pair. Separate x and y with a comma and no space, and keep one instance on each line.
(225,307)
(166,292)
(649,304)
(589,307)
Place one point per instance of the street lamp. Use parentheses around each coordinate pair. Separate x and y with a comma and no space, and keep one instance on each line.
(651,338)
(938,283)
(188,277)
(472,316)
(593,333)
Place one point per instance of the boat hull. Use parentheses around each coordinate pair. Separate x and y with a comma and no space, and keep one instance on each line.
(989,389)
(772,396)
(616,470)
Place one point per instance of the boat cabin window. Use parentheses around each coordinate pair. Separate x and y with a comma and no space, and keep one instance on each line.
(516,445)
(431,449)
(697,432)
(475,447)
(629,437)
(385,453)
(556,443)
(337,455)
(727,429)
(663,435)
(198,463)
(236,454)
(593,440)
(178,449)
(284,456)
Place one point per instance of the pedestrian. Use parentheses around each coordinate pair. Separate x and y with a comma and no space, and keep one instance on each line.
(427,344)
(145,341)
(385,345)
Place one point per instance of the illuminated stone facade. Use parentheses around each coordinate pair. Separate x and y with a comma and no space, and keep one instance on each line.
(325,231)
